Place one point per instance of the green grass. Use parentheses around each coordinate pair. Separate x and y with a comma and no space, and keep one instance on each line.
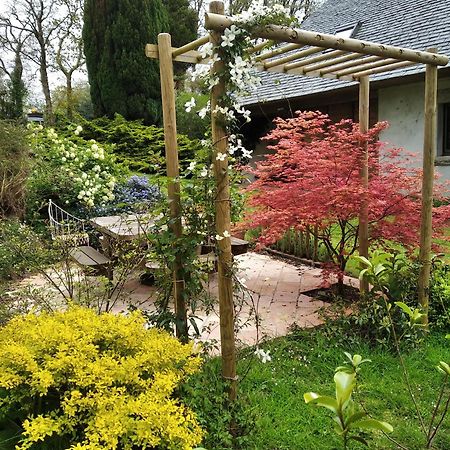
(306,362)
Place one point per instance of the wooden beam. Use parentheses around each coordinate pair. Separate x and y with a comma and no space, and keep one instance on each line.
(293,57)
(299,36)
(364,95)
(194,45)
(258,47)
(191,57)
(314,59)
(366,66)
(384,68)
(332,62)
(429,152)
(362,60)
(173,172)
(223,222)
(278,51)
(300,71)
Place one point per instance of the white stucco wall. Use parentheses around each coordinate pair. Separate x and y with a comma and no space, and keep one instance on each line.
(402,106)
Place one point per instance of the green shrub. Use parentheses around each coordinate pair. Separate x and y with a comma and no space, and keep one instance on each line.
(21,250)
(140,148)
(227,426)
(14,168)
(79,380)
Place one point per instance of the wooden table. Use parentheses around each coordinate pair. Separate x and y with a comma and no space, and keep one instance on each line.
(120,229)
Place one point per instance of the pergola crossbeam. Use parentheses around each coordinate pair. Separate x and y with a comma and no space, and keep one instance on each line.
(194,45)
(258,47)
(278,51)
(300,71)
(278,33)
(387,68)
(293,57)
(314,59)
(332,62)
(190,57)
(362,60)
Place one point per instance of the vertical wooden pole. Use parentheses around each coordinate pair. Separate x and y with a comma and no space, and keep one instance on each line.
(429,152)
(223,222)
(173,185)
(364,91)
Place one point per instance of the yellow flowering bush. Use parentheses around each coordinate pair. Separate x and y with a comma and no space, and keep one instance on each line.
(95,382)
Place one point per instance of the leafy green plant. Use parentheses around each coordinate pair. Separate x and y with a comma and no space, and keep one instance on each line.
(378,274)
(139,147)
(15,162)
(21,250)
(347,419)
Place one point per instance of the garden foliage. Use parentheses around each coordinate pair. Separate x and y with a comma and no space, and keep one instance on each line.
(141,148)
(70,170)
(313,179)
(14,168)
(80,380)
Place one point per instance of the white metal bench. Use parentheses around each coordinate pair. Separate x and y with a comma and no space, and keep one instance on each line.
(69,232)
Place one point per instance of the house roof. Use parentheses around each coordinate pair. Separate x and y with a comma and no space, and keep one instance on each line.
(418,25)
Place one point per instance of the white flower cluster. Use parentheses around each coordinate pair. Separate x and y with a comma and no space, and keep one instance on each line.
(262,355)
(226,234)
(258,11)
(235,145)
(86,165)
(200,170)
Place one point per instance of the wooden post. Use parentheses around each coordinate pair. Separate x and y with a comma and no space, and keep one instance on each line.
(429,152)
(364,90)
(173,185)
(223,223)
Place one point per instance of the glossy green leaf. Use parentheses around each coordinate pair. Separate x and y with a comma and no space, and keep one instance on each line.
(373,424)
(405,308)
(444,367)
(364,260)
(378,269)
(355,417)
(322,400)
(345,383)
(362,274)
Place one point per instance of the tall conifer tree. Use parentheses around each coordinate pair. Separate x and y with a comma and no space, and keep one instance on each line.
(123,80)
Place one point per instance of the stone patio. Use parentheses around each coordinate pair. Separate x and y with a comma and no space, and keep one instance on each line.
(275,291)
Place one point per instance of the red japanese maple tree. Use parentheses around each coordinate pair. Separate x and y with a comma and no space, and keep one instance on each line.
(313,180)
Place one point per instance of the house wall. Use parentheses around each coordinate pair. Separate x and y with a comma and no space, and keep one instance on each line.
(402,106)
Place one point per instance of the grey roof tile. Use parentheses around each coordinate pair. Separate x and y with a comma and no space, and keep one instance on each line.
(417,24)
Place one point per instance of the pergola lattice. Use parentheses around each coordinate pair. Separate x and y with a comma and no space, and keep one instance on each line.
(304,53)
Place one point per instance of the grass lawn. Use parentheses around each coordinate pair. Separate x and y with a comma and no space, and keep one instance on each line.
(306,362)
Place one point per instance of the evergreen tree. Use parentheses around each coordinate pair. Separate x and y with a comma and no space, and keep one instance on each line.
(123,80)
(183,22)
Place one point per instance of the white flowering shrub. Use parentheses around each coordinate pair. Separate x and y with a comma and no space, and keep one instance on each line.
(72,170)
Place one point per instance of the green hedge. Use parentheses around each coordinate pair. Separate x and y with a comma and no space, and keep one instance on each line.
(139,147)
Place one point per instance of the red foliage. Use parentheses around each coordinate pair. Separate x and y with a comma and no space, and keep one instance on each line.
(313,179)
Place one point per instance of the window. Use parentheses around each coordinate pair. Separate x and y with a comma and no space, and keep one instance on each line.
(445,148)
(347,31)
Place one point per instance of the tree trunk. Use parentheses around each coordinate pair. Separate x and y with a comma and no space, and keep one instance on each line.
(69,96)
(17,86)
(342,262)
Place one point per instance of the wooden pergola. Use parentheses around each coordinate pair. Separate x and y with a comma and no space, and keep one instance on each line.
(303,53)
